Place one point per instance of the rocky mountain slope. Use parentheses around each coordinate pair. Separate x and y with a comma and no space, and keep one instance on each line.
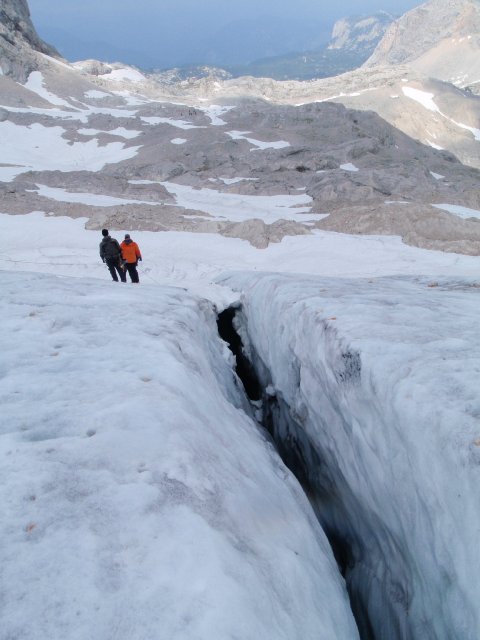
(125,150)
(404,81)
(436,113)
(440,38)
(19,41)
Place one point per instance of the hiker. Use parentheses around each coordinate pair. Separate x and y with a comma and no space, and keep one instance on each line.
(131,255)
(111,254)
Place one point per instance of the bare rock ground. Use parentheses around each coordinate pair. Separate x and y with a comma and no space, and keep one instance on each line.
(262,138)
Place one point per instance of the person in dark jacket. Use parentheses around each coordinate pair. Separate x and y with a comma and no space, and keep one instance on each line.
(111,254)
(131,255)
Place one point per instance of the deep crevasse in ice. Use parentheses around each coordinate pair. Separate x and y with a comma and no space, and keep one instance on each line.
(382,377)
(138,498)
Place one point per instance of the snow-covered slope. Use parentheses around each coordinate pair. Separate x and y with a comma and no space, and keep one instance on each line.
(112,397)
(375,384)
(138,498)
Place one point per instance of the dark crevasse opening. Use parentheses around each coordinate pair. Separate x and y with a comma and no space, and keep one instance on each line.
(301,457)
(244,368)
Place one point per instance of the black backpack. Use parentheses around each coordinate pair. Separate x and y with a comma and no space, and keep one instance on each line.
(110,248)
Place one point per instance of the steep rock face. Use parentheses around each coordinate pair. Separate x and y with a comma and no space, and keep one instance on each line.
(19,41)
(358,34)
(430,35)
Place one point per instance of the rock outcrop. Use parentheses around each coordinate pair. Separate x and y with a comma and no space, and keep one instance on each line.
(359,34)
(19,41)
(441,38)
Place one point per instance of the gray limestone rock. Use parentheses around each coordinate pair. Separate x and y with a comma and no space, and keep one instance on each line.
(271,138)
(422,28)
(19,41)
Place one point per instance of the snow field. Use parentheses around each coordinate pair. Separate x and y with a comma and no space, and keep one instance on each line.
(61,245)
(119,131)
(179,124)
(233,207)
(36,84)
(40,148)
(214,111)
(94,199)
(128,74)
(138,496)
(259,144)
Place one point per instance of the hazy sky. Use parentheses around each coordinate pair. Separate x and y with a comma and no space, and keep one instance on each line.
(168,32)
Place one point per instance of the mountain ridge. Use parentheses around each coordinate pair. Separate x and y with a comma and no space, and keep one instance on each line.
(447,49)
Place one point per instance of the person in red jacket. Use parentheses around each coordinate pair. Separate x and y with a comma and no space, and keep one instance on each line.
(131,256)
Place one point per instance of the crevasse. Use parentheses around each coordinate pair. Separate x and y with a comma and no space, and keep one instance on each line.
(373,413)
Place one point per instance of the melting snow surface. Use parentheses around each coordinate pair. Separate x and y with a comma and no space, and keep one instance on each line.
(35,83)
(119,131)
(236,208)
(234,180)
(243,135)
(80,115)
(424,98)
(214,112)
(180,124)
(461,212)
(92,199)
(39,148)
(129,74)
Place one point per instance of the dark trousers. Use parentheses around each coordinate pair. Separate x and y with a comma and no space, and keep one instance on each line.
(132,271)
(113,265)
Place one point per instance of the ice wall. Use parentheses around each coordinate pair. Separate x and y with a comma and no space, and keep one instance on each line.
(373,393)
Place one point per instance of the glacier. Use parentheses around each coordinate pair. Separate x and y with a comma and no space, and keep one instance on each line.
(139,497)
(381,368)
